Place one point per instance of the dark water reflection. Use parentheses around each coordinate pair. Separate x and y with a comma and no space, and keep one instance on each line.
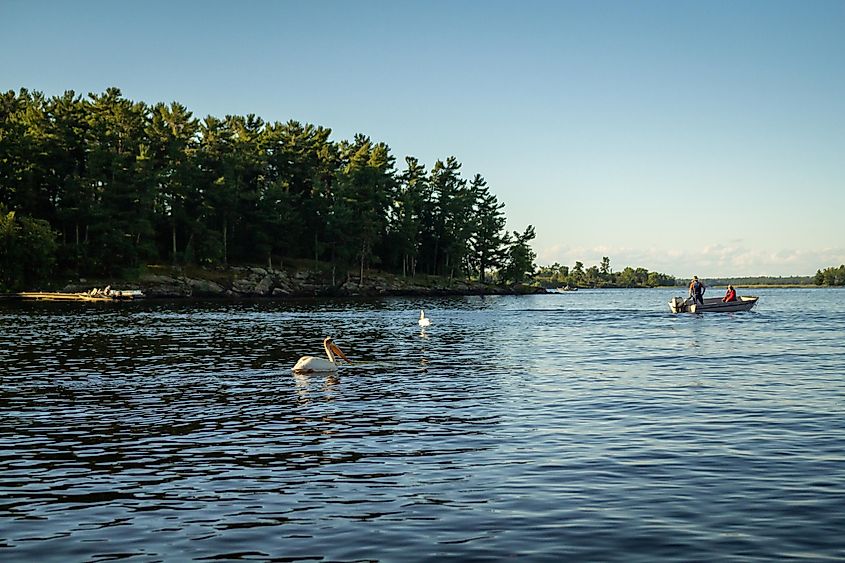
(588,426)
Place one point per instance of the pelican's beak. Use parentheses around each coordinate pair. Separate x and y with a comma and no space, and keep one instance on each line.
(337,351)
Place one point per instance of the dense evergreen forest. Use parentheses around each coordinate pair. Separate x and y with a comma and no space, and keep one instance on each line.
(103,184)
(599,276)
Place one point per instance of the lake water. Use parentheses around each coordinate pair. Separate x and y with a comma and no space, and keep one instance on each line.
(592,425)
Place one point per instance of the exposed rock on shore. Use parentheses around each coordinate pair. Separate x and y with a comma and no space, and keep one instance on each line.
(251,282)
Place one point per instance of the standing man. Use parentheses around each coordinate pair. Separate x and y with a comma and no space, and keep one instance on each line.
(696,291)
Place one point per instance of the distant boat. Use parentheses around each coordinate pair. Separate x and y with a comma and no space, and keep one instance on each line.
(562,289)
(712,305)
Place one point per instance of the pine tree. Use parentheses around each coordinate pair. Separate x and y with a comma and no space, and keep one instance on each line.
(489,239)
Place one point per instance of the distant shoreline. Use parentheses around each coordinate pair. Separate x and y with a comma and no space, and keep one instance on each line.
(333,293)
(720,285)
(254,282)
(776,286)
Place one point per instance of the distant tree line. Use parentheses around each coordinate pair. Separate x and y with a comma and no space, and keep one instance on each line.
(599,276)
(760,280)
(830,276)
(96,185)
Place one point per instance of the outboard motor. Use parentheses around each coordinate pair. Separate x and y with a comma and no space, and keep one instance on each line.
(677,304)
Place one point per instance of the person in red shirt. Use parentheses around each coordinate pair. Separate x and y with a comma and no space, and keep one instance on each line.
(730,295)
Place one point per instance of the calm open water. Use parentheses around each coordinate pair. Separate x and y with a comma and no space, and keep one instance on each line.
(585,426)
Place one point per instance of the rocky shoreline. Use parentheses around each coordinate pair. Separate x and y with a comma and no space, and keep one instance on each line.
(257,282)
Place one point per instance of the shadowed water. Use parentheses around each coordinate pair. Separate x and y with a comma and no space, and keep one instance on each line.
(592,425)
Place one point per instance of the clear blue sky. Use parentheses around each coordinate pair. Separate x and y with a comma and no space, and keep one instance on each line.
(686,137)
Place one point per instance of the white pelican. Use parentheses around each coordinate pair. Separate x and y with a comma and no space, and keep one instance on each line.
(309,364)
(424,321)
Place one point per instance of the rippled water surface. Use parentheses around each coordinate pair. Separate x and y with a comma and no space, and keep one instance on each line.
(585,426)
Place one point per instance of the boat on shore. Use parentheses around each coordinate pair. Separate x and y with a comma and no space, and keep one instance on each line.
(712,305)
(95,294)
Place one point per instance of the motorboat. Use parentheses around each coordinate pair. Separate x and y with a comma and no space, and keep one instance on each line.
(561,289)
(712,305)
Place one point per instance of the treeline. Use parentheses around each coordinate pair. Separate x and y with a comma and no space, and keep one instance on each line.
(760,280)
(830,276)
(96,185)
(599,276)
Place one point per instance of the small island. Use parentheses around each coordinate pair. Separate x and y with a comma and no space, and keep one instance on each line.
(102,187)
(601,276)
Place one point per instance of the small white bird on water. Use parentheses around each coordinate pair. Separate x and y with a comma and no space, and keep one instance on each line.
(424,321)
(310,364)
